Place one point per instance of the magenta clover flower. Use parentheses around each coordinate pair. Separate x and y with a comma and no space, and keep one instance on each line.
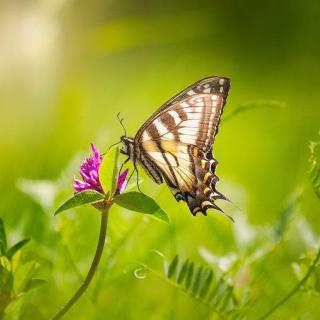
(89,172)
(122,182)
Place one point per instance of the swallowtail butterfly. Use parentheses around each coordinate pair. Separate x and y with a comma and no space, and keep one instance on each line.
(175,144)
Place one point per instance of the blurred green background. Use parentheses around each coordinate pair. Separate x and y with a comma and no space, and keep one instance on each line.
(68,67)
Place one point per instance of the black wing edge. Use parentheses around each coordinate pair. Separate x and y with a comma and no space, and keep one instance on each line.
(214,82)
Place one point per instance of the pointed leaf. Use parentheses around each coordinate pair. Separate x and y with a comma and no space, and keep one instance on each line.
(206,284)
(16,247)
(225,298)
(4,262)
(80,199)
(182,273)
(196,283)
(6,282)
(315,166)
(34,283)
(173,267)
(138,202)
(23,275)
(3,238)
(284,218)
(220,291)
(189,275)
(108,171)
(215,290)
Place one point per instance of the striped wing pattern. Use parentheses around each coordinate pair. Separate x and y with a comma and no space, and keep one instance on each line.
(175,144)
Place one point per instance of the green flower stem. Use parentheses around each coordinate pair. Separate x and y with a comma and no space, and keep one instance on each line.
(295,289)
(93,268)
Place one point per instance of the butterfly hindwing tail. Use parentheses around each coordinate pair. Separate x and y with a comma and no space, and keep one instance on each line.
(205,188)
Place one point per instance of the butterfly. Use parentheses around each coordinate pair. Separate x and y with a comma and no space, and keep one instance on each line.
(175,144)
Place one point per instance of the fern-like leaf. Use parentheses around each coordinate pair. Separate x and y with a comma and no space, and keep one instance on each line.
(315,166)
(183,271)
(189,276)
(202,284)
(196,282)
(206,284)
(172,267)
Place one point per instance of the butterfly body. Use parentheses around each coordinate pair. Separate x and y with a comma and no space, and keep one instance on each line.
(175,143)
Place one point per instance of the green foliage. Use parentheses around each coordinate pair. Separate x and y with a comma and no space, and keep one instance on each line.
(3,238)
(211,288)
(301,267)
(315,166)
(15,248)
(16,275)
(80,199)
(284,218)
(109,170)
(135,201)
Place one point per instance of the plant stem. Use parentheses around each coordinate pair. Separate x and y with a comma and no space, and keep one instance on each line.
(92,270)
(295,289)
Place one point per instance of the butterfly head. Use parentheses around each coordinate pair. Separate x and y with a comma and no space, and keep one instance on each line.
(128,146)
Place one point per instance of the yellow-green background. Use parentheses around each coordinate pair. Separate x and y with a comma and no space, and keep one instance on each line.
(68,67)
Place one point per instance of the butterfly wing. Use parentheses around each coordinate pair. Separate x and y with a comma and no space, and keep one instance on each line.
(198,102)
(175,143)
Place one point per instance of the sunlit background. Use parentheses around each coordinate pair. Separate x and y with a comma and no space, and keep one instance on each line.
(68,67)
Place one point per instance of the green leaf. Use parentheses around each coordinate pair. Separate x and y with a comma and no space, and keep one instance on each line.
(80,199)
(182,273)
(189,276)
(6,281)
(16,248)
(220,291)
(108,171)
(315,166)
(225,298)
(3,238)
(138,202)
(34,283)
(23,275)
(196,283)
(206,284)
(4,262)
(284,218)
(173,267)
(215,290)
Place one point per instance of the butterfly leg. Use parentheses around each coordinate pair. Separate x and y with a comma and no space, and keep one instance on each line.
(138,186)
(123,163)
(130,176)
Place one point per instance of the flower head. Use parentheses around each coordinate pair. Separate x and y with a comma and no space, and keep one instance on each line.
(89,172)
(122,182)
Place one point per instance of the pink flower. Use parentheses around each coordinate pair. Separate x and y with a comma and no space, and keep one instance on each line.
(89,172)
(122,182)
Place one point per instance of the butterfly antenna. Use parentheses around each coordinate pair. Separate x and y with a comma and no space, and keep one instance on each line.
(111,147)
(114,144)
(121,123)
